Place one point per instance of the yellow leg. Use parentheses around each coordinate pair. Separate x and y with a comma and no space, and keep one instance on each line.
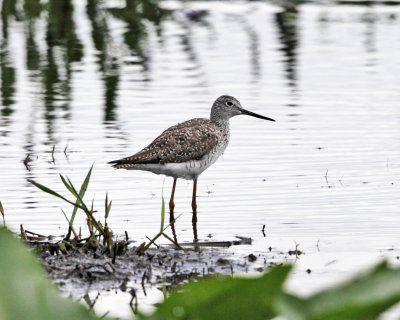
(171,200)
(194,204)
(171,211)
(194,207)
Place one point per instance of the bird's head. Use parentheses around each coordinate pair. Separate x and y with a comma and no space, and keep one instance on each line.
(226,107)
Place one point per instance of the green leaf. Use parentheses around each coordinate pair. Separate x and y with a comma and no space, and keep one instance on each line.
(363,297)
(239,298)
(75,193)
(71,227)
(25,292)
(82,192)
(2,210)
(49,191)
(62,247)
(107,206)
(79,202)
(162,214)
(66,184)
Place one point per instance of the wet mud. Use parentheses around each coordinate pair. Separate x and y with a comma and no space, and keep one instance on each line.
(80,269)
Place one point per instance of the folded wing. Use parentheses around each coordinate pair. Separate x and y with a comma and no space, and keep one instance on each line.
(189,140)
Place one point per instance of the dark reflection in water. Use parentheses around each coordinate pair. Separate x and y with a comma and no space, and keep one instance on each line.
(370,20)
(60,34)
(286,22)
(254,48)
(191,20)
(8,74)
(108,67)
(51,66)
(134,14)
(32,11)
(8,10)
(51,63)
(7,81)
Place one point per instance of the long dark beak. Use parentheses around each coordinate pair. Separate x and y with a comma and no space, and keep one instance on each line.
(249,113)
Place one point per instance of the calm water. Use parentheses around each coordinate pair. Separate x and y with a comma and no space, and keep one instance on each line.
(104,78)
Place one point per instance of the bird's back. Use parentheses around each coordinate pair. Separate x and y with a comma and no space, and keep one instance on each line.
(186,141)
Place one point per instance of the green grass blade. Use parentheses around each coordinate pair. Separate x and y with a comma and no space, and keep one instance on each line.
(79,203)
(72,189)
(66,184)
(70,225)
(169,224)
(107,207)
(82,192)
(49,191)
(164,291)
(162,213)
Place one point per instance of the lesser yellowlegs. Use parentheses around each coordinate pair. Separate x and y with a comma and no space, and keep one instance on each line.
(188,148)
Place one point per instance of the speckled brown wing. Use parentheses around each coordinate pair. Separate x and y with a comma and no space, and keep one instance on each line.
(189,140)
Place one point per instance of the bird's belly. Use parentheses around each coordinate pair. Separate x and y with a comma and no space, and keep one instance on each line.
(188,170)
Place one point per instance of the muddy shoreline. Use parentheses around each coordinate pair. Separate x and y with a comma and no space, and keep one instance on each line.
(79,271)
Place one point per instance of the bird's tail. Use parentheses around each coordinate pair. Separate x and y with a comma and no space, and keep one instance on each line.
(121,163)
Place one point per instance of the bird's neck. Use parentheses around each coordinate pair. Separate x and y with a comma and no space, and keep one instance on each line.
(222,123)
(218,116)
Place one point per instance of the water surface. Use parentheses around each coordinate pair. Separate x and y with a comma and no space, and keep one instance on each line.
(103,79)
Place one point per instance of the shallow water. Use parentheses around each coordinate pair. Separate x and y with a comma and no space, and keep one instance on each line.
(104,81)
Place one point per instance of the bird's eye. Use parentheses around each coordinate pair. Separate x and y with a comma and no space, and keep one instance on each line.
(229,104)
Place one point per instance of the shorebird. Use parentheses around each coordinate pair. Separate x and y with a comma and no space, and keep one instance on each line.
(188,148)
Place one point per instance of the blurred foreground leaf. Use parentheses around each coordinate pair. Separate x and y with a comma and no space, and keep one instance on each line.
(2,212)
(238,298)
(364,297)
(25,292)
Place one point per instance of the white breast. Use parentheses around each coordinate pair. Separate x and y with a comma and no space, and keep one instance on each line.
(189,170)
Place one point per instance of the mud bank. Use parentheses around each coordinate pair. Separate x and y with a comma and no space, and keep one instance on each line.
(79,271)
